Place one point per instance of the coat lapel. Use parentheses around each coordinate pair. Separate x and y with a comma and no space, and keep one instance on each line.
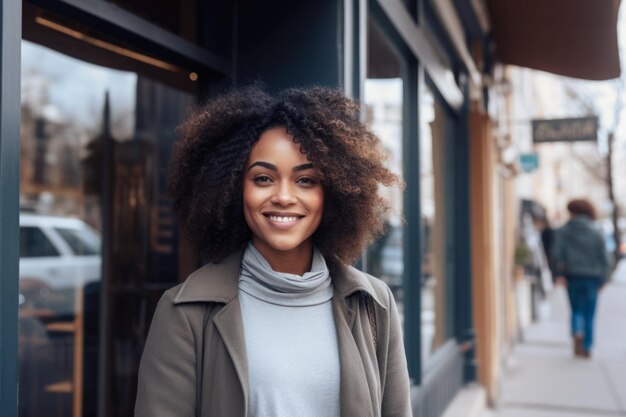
(218,283)
(354,393)
(229,323)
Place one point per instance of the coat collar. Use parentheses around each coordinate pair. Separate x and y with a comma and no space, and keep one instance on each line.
(219,282)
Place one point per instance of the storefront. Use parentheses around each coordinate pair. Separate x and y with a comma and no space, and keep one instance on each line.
(103,86)
(415,87)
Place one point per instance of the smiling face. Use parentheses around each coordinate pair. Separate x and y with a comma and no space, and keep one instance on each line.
(283,197)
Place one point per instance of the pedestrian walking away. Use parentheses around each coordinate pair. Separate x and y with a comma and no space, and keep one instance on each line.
(280,196)
(581,262)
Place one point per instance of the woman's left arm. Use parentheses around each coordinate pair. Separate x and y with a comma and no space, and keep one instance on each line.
(396,393)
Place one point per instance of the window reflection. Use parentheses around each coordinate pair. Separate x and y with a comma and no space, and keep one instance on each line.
(94,144)
(433,315)
(83,241)
(34,244)
(383,97)
(385,256)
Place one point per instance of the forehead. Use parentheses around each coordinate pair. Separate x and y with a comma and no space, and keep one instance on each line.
(277,146)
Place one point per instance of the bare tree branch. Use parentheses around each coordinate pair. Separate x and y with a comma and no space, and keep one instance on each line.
(596,170)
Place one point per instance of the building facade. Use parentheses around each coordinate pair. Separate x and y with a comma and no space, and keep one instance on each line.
(92,92)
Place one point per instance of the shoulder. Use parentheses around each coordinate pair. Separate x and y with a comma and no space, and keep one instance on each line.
(369,284)
(168,306)
(380,286)
(211,283)
(564,227)
(170,294)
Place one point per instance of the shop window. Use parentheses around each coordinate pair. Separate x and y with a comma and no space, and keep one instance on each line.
(83,42)
(433,293)
(97,124)
(383,97)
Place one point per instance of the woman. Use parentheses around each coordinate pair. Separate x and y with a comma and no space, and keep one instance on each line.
(581,261)
(280,195)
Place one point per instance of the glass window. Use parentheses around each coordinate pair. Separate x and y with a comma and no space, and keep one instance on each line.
(432,135)
(35,244)
(82,241)
(383,97)
(97,125)
(84,43)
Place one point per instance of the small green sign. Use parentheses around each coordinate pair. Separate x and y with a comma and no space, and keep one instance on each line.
(529,161)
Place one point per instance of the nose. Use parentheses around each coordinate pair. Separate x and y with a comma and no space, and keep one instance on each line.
(284,195)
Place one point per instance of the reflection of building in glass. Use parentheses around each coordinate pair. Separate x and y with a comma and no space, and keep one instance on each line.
(385,257)
(60,118)
(383,98)
(94,145)
(434,314)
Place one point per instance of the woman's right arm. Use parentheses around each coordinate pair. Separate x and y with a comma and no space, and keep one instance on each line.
(167,373)
(396,401)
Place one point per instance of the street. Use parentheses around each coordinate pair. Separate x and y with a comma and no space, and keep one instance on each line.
(543,379)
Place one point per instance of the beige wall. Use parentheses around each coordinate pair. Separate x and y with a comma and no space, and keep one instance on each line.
(484,286)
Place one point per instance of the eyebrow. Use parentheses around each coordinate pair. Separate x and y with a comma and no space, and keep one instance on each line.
(274,168)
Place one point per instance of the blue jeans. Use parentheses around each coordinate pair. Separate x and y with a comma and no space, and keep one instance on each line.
(583,294)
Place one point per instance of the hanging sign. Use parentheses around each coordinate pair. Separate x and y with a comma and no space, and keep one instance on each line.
(565,130)
(529,161)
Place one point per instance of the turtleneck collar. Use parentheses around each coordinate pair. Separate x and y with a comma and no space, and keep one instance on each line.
(258,279)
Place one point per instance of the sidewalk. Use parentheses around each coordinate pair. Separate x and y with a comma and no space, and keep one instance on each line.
(543,379)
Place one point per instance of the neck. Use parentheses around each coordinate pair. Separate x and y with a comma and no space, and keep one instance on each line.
(295,261)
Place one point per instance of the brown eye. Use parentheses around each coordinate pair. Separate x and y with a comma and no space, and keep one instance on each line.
(307,181)
(262,179)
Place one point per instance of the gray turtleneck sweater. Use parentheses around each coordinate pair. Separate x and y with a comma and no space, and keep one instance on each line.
(291,342)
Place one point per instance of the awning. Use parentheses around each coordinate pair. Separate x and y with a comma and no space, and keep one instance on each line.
(575,38)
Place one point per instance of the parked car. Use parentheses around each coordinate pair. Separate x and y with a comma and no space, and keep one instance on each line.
(58,257)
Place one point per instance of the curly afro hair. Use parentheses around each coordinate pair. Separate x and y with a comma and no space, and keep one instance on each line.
(205,172)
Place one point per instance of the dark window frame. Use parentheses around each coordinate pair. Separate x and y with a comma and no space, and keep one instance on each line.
(410,73)
(459,328)
(108,18)
(10,58)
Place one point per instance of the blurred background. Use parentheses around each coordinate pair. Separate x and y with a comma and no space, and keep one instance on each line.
(495,113)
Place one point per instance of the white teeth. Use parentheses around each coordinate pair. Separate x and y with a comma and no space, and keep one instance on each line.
(281,219)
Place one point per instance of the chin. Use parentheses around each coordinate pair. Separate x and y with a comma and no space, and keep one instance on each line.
(283,244)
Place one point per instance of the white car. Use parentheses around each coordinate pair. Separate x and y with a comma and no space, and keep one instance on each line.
(58,257)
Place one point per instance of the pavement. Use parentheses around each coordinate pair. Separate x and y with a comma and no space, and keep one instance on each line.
(542,378)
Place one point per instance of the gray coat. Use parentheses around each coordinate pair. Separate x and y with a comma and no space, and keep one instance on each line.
(194,362)
(579,250)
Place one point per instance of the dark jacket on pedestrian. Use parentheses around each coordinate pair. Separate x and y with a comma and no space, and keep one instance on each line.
(579,250)
(194,363)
